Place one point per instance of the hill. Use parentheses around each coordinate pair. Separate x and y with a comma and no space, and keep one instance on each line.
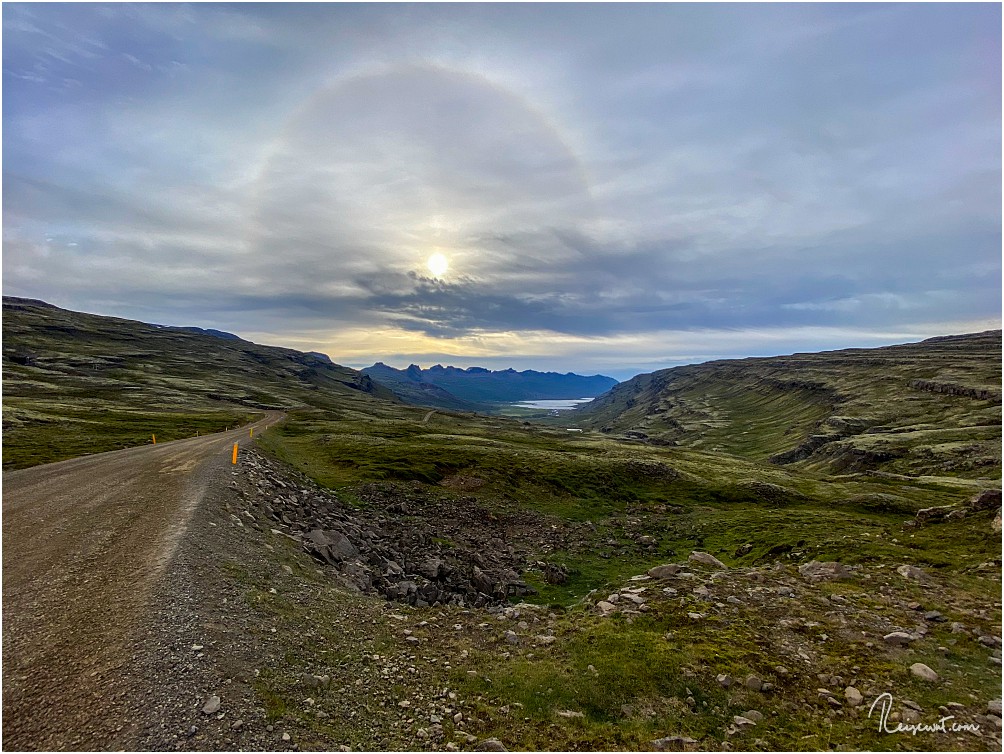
(413,389)
(75,383)
(483,386)
(932,407)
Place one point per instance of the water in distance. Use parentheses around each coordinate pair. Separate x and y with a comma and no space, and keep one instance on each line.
(554,405)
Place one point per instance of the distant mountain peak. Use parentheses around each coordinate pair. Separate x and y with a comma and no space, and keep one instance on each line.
(478,385)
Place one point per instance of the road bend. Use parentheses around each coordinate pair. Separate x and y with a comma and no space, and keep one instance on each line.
(84,543)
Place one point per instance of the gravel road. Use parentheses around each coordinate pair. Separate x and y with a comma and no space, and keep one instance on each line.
(85,542)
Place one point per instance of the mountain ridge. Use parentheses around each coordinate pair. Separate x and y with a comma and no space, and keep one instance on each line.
(857,409)
(478,385)
(75,381)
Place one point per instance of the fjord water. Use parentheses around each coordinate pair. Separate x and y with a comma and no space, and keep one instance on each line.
(562,404)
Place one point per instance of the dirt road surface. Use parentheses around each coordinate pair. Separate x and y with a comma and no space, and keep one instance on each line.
(84,543)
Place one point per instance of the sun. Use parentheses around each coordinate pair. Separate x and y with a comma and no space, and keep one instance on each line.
(438,265)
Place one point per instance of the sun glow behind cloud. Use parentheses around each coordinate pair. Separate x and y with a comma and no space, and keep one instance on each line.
(740,172)
(438,264)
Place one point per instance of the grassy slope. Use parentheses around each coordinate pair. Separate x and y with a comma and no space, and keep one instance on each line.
(78,383)
(604,495)
(865,403)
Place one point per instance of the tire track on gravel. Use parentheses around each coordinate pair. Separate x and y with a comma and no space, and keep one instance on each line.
(84,543)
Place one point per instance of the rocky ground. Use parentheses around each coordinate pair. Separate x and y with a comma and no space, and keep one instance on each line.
(295,620)
(243,605)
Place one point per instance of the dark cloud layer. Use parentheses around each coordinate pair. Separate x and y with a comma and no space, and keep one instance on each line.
(616,187)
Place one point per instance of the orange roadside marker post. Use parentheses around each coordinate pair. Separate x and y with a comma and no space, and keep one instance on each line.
(234,461)
(252,432)
(154,439)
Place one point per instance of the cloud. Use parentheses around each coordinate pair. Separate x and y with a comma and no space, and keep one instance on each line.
(594,174)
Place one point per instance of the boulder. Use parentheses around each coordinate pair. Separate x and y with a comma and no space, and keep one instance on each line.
(401,590)
(937,513)
(674,743)
(853,696)
(898,638)
(664,572)
(921,670)
(490,744)
(332,546)
(986,500)
(911,572)
(707,559)
(817,571)
(481,581)
(430,568)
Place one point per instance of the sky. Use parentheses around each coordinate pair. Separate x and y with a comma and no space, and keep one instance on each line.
(601,188)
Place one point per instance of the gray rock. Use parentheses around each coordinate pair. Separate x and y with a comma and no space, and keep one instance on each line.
(921,670)
(674,743)
(753,683)
(898,638)
(606,608)
(707,559)
(481,581)
(937,513)
(431,568)
(853,696)
(490,744)
(401,589)
(332,546)
(211,705)
(754,715)
(986,500)
(724,680)
(664,572)
(743,723)
(816,571)
(911,572)
(994,707)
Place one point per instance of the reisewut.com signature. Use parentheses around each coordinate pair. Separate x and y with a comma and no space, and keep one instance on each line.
(943,725)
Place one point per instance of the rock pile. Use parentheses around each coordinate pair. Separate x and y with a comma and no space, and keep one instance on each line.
(405,544)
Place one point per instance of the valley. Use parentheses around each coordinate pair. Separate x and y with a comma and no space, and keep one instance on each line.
(736,555)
